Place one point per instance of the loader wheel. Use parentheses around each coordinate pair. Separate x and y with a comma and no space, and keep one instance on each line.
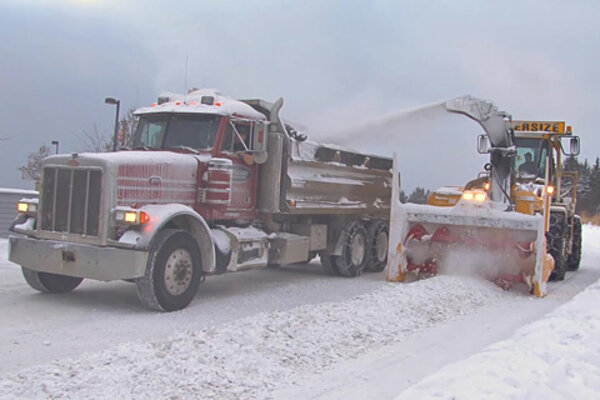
(556,243)
(575,256)
(173,272)
(353,257)
(377,250)
(46,282)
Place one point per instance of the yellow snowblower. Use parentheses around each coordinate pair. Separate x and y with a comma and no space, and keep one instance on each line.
(497,225)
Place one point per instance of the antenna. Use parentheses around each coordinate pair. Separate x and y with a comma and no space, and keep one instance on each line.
(185,82)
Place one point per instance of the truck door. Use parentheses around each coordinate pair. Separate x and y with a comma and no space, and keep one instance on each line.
(236,147)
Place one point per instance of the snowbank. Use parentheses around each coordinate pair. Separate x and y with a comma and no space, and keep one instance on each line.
(557,357)
(249,358)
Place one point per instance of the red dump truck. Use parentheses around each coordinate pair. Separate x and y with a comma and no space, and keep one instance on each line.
(211,185)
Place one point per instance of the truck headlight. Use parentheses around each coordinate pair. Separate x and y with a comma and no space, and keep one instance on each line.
(27,206)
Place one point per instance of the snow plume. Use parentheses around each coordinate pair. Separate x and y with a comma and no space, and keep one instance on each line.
(250,358)
(391,125)
(435,147)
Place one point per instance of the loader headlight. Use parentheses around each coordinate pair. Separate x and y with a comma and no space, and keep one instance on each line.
(480,197)
(27,206)
(550,189)
(477,196)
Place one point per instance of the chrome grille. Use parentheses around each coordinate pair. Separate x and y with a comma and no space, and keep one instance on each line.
(71,200)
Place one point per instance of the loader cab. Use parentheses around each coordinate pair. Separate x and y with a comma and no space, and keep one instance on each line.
(530,159)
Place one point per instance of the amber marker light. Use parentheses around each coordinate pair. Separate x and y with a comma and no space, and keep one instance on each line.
(144,217)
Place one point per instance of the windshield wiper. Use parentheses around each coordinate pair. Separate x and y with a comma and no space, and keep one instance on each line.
(186,148)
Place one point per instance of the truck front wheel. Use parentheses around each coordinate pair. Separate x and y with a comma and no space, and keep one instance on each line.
(173,272)
(50,283)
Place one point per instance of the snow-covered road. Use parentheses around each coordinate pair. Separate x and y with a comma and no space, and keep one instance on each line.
(286,333)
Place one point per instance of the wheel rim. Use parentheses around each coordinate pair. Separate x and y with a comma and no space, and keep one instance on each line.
(381,246)
(357,254)
(178,272)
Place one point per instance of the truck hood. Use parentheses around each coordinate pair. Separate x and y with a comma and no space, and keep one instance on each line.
(142,177)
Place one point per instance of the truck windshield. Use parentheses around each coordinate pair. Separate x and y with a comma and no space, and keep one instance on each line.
(163,131)
(530,161)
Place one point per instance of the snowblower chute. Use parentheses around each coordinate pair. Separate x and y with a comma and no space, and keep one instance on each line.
(481,234)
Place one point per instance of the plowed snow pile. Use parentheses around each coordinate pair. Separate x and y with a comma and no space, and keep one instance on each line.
(557,357)
(248,358)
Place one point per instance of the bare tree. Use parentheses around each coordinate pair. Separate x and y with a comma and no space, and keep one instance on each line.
(32,170)
(128,126)
(95,141)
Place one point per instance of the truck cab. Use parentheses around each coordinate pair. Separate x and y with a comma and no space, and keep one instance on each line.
(210,126)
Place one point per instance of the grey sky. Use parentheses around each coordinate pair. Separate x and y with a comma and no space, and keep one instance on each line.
(338,64)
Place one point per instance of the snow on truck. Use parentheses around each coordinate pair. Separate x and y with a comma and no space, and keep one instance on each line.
(212,185)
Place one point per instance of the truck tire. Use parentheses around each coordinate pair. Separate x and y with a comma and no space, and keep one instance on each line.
(173,272)
(353,257)
(575,257)
(556,241)
(46,282)
(377,250)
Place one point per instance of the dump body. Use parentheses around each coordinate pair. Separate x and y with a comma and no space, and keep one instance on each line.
(323,180)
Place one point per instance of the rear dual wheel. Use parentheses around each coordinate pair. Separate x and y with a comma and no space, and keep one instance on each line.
(353,257)
(377,251)
(363,248)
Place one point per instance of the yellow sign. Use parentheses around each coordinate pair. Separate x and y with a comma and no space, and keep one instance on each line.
(539,126)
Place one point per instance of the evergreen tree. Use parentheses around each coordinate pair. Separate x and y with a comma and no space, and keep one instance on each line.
(418,196)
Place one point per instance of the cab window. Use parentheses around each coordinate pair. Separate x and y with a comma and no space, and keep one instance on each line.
(237,137)
(530,160)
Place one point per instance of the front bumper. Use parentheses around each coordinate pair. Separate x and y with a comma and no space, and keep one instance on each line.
(75,259)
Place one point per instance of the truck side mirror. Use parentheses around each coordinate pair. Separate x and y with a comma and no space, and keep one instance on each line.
(259,141)
(574,147)
(482,144)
